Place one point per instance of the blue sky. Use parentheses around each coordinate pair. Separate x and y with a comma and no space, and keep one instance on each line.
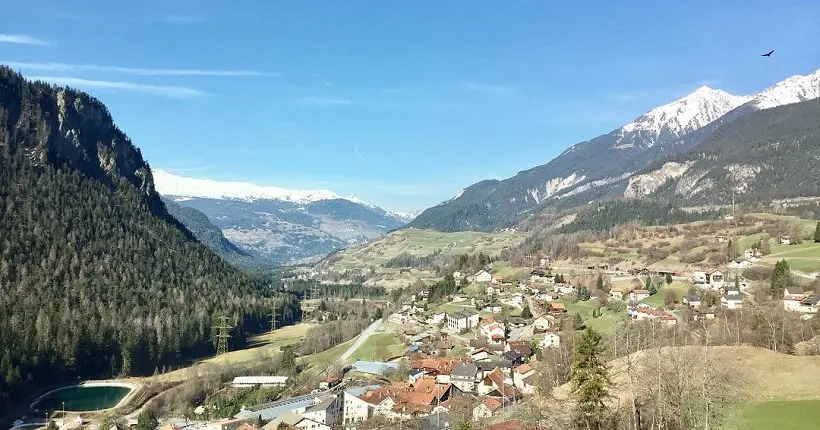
(399,103)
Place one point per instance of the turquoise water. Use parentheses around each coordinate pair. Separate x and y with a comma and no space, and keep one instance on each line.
(82,399)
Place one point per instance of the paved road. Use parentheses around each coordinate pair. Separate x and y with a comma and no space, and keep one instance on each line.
(361,340)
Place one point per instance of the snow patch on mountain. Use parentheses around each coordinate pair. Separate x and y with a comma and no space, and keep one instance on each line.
(795,89)
(169,184)
(680,117)
(645,184)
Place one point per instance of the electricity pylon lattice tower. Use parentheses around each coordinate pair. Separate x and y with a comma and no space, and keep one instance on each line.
(223,333)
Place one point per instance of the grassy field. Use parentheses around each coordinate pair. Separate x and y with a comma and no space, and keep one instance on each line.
(605,323)
(379,347)
(426,242)
(804,257)
(260,347)
(778,415)
(680,288)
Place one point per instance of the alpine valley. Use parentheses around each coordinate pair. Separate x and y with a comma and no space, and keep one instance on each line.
(687,150)
(276,225)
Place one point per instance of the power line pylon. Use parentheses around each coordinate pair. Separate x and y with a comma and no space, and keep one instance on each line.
(273,317)
(223,333)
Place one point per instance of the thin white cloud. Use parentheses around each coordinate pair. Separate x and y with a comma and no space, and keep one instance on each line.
(494,89)
(320,102)
(157,90)
(326,83)
(138,71)
(21,39)
(359,154)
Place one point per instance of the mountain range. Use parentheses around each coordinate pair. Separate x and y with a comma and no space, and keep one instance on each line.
(278,225)
(604,166)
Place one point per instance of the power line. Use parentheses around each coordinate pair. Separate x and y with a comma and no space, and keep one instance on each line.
(223,333)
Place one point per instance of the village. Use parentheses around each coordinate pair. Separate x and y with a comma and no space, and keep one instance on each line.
(476,354)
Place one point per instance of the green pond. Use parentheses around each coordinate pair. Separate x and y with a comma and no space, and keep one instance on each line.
(82,398)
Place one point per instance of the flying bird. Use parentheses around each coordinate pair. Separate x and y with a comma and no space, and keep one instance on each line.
(768,54)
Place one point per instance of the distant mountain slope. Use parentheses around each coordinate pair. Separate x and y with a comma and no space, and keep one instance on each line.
(599,168)
(765,155)
(280,225)
(97,280)
(209,234)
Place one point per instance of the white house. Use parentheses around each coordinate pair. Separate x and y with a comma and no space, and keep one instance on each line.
(482,276)
(563,289)
(487,408)
(498,279)
(356,410)
(731,301)
(542,323)
(491,290)
(693,300)
(494,331)
(465,377)
(462,321)
(522,378)
(551,340)
(458,276)
(617,294)
(739,264)
(517,300)
(296,420)
(699,277)
(262,381)
(716,278)
(437,318)
(328,411)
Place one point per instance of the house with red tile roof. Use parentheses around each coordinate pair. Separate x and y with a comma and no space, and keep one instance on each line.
(487,408)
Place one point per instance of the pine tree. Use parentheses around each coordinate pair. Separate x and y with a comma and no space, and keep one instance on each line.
(599,284)
(577,321)
(147,420)
(590,379)
(583,293)
(781,277)
(648,283)
(817,233)
(525,313)
(668,278)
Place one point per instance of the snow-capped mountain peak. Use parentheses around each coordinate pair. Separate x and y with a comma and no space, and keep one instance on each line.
(795,89)
(406,216)
(681,116)
(173,185)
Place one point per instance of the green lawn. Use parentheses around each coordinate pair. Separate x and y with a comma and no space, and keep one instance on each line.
(804,257)
(605,323)
(680,288)
(379,347)
(779,415)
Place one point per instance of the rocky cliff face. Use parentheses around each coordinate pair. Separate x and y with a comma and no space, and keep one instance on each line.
(68,128)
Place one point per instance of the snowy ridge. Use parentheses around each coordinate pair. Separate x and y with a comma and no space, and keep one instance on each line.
(681,116)
(172,185)
(795,89)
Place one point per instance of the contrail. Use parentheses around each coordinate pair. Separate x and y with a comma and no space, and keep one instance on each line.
(359,154)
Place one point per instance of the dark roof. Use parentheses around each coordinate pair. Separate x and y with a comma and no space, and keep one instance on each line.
(795,289)
(513,355)
(490,365)
(478,343)
(730,296)
(516,320)
(466,370)
(462,314)
(811,301)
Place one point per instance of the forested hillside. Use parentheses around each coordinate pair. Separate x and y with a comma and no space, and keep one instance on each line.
(210,235)
(96,279)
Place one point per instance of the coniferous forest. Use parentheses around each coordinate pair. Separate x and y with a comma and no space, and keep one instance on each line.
(96,279)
